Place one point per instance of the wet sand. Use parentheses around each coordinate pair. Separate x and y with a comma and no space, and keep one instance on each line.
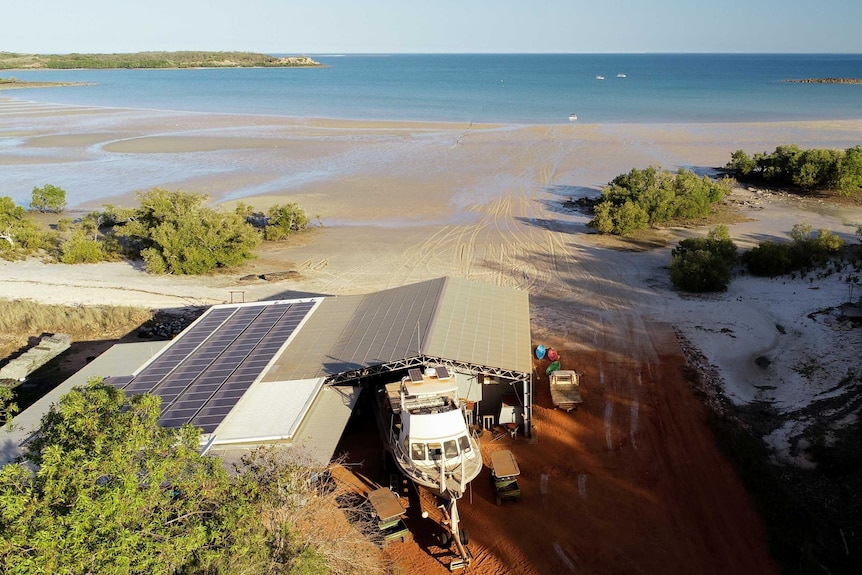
(634,480)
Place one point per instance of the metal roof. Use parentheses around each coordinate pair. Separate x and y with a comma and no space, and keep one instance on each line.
(483,325)
(450,319)
(254,372)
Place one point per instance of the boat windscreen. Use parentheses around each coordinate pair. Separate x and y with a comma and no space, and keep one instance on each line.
(417,451)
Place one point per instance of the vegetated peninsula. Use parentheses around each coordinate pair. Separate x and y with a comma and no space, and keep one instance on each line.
(143,60)
(827,81)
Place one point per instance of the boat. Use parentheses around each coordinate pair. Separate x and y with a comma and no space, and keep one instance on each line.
(600,77)
(424,427)
(573,117)
(621,75)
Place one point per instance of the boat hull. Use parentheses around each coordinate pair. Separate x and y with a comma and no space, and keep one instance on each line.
(446,478)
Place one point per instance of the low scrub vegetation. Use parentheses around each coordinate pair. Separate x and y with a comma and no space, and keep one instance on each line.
(173,232)
(20,236)
(791,166)
(20,319)
(703,264)
(648,197)
(707,264)
(176,233)
(806,251)
(117,493)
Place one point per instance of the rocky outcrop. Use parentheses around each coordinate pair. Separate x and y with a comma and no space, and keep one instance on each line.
(298,61)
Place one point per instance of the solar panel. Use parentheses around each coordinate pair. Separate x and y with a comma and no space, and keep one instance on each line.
(257,359)
(203,374)
(415,375)
(118,381)
(442,372)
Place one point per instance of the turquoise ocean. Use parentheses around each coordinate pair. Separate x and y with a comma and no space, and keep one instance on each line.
(499,88)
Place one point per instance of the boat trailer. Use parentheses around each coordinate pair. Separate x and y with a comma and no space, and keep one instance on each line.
(454,534)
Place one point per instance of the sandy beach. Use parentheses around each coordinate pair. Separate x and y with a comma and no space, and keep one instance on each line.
(636,481)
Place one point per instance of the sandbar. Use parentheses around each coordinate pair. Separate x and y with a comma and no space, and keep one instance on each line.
(401,202)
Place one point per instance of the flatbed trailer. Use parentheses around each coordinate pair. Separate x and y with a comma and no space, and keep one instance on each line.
(389,511)
(504,476)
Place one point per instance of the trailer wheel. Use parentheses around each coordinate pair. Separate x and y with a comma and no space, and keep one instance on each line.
(464,536)
(444,539)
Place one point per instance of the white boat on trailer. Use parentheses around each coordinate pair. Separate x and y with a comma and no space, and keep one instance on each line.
(424,427)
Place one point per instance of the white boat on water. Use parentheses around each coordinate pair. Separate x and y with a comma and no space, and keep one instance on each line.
(621,75)
(425,429)
(600,77)
(573,117)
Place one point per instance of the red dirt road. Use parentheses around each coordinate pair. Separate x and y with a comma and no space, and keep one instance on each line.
(630,482)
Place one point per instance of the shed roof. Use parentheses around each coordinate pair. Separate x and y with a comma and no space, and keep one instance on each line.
(446,318)
(254,372)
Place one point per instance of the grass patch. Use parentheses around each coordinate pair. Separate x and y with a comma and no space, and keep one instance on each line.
(21,319)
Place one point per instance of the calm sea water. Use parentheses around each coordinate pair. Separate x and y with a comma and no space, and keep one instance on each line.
(519,89)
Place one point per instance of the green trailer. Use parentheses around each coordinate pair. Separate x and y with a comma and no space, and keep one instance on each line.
(389,513)
(504,476)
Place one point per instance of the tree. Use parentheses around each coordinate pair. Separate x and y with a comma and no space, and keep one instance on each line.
(806,250)
(649,197)
(82,249)
(48,198)
(789,165)
(8,407)
(19,236)
(284,220)
(740,164)
(115,493)
(850,171)
(703,264)
(174,232)
(103,489)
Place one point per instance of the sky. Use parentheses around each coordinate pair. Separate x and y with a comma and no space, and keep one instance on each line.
(432,26)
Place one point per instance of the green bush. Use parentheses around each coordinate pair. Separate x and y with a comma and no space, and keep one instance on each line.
(768,259)
(806,250)
(649,197)
(703,264)
(811,169)
(48,198)
(174,232)
(20,236)
(82,249)
(282,221)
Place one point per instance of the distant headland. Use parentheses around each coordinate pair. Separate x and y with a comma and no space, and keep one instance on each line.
(827,81)
(150,60)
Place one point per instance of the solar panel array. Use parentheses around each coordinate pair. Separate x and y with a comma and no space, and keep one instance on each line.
(203,374)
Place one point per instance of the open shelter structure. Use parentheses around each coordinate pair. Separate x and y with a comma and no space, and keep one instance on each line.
(290,371)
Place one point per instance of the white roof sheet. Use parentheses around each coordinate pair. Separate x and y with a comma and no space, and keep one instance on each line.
(268,411)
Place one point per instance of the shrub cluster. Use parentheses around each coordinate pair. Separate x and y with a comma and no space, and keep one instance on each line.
(117,493)
(647,197)
(703,264)
(173,232)
(810,169)
(20,236)
(805,251)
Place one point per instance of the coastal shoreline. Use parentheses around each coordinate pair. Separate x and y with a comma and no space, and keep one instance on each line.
(402,202)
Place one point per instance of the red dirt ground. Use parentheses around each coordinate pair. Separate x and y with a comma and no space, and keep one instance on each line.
(630,482)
